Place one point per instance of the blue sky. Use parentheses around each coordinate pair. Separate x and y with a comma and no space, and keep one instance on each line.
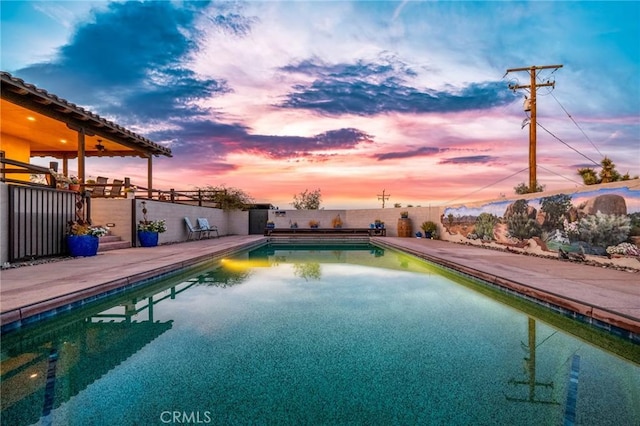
(348,97)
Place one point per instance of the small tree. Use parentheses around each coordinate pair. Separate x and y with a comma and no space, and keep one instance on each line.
(307,200)
(555,207)
(608,173)
(228,198)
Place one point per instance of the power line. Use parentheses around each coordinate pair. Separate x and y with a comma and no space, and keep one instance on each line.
(571,117)
(485,187)
(564,177)
(569,146)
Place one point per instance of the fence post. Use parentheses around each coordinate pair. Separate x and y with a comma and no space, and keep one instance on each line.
(173,195)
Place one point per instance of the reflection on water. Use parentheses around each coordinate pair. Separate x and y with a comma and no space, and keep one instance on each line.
(342,335)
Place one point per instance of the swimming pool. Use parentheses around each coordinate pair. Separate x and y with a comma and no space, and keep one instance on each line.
(341,335)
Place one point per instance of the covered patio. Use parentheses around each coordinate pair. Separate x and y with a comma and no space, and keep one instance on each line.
(36,123)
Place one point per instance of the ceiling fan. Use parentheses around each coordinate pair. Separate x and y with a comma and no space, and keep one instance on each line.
(99,146)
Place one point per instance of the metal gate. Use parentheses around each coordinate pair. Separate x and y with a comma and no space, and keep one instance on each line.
(38,220)
(258,221)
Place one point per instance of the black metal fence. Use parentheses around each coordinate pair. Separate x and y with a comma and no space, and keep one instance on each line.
(38,220)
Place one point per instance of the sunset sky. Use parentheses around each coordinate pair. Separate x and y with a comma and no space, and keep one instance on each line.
(352,98)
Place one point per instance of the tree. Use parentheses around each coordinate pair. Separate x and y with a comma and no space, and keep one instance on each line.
(307,200)
(228,198)
(555,207)
(523,188)
(608,173)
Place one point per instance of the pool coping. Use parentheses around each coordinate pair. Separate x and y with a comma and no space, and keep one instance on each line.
(46,308)
(162,260)
(606,319)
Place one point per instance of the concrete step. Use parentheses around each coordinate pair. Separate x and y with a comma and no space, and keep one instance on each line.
(111,242)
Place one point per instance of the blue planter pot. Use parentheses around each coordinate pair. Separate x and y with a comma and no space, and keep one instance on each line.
(82,245)
(148,238)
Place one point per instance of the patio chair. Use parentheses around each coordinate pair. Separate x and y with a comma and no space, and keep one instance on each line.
(99,189)
(203,224)
(116,187)
(192,230)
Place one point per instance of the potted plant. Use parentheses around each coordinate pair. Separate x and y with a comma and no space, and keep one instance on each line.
(270,224)
(83,239)
(429,228)
(404,214)
(130,191)
(149,230)
(336,222)
(74,183)
(314,224)
(62,181)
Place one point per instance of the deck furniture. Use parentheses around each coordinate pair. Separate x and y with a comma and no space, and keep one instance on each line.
(192,231)
(99,188)
(116,188)
(380,232)
(206,229)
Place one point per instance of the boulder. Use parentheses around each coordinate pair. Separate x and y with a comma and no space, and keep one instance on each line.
(606,204)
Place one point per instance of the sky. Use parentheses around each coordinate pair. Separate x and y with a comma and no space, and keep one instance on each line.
(350,97)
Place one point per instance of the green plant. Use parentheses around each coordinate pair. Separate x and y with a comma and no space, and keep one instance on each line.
(404,214)
(608,173)
(81,227)
(307,200)
(336,222)
(314,223)
(429,226)
(523,188)
(521,226)
(150,225)
(555,207)
(601,230)
(485,223)
(228,198)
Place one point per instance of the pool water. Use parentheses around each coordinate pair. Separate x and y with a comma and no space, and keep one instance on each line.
(348,335)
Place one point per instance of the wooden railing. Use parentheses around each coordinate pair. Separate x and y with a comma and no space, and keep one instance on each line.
(13,167)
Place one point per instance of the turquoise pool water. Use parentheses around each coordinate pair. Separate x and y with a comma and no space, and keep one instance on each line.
(349,335)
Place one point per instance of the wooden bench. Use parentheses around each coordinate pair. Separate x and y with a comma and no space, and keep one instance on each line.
(308,232)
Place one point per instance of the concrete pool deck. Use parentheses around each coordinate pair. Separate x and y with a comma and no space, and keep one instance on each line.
(607,295)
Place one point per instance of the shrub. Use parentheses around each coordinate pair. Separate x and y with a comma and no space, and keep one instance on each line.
(603,230)
(521,226)
(485,223)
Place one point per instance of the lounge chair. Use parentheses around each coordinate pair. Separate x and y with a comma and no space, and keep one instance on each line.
(192,230)
(116,187)
(203,224)
(98,189)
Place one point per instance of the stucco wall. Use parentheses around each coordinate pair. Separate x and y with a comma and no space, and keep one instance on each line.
(356,218)
(119,214)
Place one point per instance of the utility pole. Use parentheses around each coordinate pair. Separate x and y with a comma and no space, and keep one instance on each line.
(530,105)
(383,197)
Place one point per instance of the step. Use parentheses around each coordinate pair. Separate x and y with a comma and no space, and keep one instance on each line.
(112,242)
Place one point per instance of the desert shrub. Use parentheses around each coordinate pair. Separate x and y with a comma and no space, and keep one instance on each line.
(603,230)
(521,226)
(484,226)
